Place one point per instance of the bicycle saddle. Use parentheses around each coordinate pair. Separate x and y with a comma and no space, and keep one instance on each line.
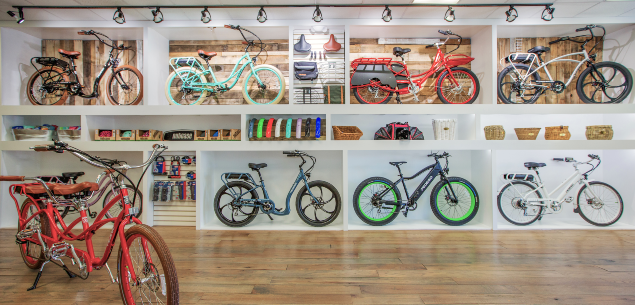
(302,46)
(397,51)
(539,50)
(206,55)
(72,174)
(332,45)
(69,54)
(531,165)
(257,165)
(397,163)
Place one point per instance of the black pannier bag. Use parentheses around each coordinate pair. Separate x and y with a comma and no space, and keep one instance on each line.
(305,70)
(398,131)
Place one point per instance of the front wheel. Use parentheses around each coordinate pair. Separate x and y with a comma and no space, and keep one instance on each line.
(125,86)
(227,208)
(43,87)
(608,82)
(116,208)
(372,95)
(600,204)
(366,205)
(156,279)
(319,205)
(268,88)
(454,212)
(464,91)
(177,94)
(513,90)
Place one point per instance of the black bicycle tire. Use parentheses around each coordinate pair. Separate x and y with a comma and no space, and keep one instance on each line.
(593,222)
(359,189)
(435,208)
(338,200)
(504,72)
(221,190)
(136,72)
(500,209)
(477,86)
(139,199)
(624,70)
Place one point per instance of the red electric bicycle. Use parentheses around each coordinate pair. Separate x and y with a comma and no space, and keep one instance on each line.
(145,269)
(375,80)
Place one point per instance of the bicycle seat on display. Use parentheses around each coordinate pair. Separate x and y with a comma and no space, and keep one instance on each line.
(531,165)
(257,165)
(73,175)
(397,51)
(397,163)
(302,46)
(69,54)
(206,55)
(332,45)
(539,50)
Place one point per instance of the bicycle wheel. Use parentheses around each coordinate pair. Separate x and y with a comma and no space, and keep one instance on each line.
(150,258)
(373,213)
(226,209)
(132,78)
(372,95)
(611,83)
(32,253)
(270,89)
(513,208)
(115,209)
(40,89)
(465,93)
(603,210)
(322,211)
(177,95)
(454,213)
(512,91)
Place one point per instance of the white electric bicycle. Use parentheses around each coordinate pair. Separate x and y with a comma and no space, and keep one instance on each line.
(522,200)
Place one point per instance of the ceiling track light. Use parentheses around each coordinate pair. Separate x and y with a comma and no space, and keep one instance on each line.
(511,14)
(387,15)
(118,17)
(206,17)
(262,15)
(449,14)
(157,15)
(317,14)
(547,14)
(19,17)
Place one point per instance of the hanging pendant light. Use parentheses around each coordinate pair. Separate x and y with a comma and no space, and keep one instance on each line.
(387,15)
(449,15)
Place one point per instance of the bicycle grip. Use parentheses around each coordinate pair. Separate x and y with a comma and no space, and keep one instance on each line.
(429,46)
(558,159)
(554,41)
(11,178)
(81,33)
(288,152)
(582,29)
(443,32)
(41,148)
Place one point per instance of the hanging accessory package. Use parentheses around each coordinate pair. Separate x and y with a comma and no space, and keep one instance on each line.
(159,166)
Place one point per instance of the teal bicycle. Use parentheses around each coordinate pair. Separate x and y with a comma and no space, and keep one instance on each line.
(188,84)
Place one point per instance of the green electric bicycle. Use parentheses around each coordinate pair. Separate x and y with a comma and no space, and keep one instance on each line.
(188,83)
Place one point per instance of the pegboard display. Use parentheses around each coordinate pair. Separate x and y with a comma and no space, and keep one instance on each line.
(173,189)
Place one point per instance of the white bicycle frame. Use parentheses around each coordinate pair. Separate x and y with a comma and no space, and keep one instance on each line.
(536,61)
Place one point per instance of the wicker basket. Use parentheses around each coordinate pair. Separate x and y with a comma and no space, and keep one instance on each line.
(527,133)
(494,132)
(599,132)
(444,129)
(347,133)
(557,133)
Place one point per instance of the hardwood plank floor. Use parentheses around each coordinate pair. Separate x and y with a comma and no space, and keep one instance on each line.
(362,267)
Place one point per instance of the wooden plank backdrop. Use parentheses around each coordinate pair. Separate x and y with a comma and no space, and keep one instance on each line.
(229,52)
(559,71)
(94,56)
(418,60)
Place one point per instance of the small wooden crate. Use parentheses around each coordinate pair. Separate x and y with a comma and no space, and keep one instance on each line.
(119,133)
(214,134)
(149,135)
(599,132)
(557,133)
(494,132)
(113,136)
(201,135)
(527,133)
(231,134)
(347,133)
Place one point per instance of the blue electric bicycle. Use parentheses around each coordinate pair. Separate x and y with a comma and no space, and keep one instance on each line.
(237,203)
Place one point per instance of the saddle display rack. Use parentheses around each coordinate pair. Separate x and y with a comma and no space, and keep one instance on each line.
(174,191)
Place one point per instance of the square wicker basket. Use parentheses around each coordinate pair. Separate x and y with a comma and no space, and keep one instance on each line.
(557,133)
(599,132)
(494,132)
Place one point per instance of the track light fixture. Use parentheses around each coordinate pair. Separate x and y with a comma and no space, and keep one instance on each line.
(19,17)
(449,15)
(157,15)
(317,14)
(547,14)
(511,14)
(262,15)
(387,15)
(118,17)
(206,17)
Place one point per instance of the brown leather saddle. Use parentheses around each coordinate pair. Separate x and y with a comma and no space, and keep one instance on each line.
(332,45)
(69,54)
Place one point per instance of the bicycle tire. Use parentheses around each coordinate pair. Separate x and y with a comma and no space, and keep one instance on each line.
(111,78)
(456,71)
(444,215)
(130,196)
(501,78)
(302,210)
(34,77)
(249,86)
(581,209)
(368,219)
(362,100)
(167,282)
(628,82)
(44,227)
(173,76)
(500,208)
(218,209)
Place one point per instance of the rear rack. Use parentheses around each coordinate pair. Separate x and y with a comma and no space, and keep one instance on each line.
(370,61)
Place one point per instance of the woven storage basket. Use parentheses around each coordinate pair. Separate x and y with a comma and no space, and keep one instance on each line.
(557,133)
(599,132)
(494,132)
(527,133)
(444,129)
(347,133)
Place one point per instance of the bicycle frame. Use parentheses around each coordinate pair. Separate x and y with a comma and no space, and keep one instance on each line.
(544,65)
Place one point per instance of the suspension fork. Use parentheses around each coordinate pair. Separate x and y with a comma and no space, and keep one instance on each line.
(451,193)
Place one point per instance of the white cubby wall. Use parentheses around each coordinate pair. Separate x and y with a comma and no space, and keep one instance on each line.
(8,121)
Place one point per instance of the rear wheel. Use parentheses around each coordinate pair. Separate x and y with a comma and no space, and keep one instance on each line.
(226,204)
(465,92)
(454,213)
(372,95)
(125,86)
(514,208)
(609,82)
(603,210)
(32,253)
(373,213)
(512,90)
(269,90)
(177,94)
(323,207)
(42,89)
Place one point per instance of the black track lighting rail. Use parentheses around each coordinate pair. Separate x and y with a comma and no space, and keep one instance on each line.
(94,7)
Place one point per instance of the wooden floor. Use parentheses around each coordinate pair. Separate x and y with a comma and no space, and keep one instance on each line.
(402,267)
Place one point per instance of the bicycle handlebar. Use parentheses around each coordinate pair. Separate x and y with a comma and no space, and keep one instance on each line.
(443,155)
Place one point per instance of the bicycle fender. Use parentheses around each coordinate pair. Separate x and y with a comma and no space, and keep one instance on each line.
(318,127)
(260,123)
(288,130)
(252,122)
(269,127)
(278,123)
(298,129)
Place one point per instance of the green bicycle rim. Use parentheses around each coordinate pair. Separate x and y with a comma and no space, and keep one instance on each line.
(254,73)
(172,98)
(440,196)
(364,213)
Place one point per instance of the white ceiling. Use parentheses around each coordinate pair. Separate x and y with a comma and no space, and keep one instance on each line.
(564,8)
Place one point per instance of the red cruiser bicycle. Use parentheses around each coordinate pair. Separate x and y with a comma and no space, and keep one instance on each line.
(145,269)
(375,80)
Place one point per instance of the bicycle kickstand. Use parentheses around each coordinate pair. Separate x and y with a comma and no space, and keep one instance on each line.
(37,278)
(399,99)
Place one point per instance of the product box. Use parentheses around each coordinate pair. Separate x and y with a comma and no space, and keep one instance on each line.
(214,135)
(105,135)
(201,135)
(231,134)
(149,135)
(125,135)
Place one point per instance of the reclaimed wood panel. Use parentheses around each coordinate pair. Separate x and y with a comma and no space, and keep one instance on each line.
(229,52)
(559,71)
(419,60)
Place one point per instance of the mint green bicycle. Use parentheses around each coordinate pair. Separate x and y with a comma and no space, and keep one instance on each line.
(188,83)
